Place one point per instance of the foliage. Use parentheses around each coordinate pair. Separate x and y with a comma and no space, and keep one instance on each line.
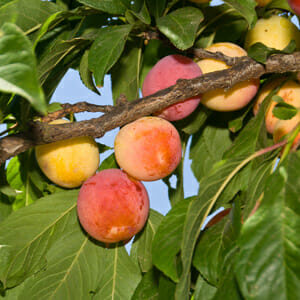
(45,254)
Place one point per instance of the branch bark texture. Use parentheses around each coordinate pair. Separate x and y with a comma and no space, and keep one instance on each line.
(243,68)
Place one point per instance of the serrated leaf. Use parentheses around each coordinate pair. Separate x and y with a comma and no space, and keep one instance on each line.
(284,111)
(148,287)
(18,72)
(85,73)
(27,234)
(181,26)
(125,74)
(246,8)
(107,49)
(166,243)
(120,276)
(74,266)
(275,228)
(109,6)
(156,7)
(142,244)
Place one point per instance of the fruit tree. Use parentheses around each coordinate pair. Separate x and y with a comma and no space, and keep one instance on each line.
(213,81)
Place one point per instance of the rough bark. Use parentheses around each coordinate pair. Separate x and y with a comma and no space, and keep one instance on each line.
(243,68)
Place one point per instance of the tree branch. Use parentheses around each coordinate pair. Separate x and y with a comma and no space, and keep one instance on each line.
(123,113)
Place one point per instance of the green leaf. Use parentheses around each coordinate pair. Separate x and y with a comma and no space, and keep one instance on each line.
(245,8)
(5,208)
(85,73)
(29,15)
(197,212)
(260,172)
(148,287)
(260,52)
(142,244)
(274,228)
(74,266)
(18,73)
(109,6)
(156,7)
(27,234)
(207,148)
(284,111)
(195,120)
(126,73)
(281,4)
(140,11)
(54,106)
(107,49)
(214,245)
(181,26)
(120,276)
(204,290)
(166,289)
(109,163)
(18,177)
(166,243)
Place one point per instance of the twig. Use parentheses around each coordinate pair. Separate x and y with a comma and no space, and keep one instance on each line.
(117,116)
(76,108)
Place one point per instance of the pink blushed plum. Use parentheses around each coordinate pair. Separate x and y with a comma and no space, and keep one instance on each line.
(148,149)
(112,206)
(164,74)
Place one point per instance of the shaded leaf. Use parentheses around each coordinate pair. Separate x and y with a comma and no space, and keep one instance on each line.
(125,74)
(260,52)
(86,75)
(109,6)
(167,240)
(148,287)
(245,8)
(156,7)
(107,49)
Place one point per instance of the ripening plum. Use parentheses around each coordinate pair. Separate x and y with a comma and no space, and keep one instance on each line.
(274,32)
(236,97)
(148,149)
(295,6)
(68,163)
(164,74)
(289,92)
(112,206)
(283,127)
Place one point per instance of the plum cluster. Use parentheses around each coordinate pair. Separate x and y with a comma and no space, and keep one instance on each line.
(113,204)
